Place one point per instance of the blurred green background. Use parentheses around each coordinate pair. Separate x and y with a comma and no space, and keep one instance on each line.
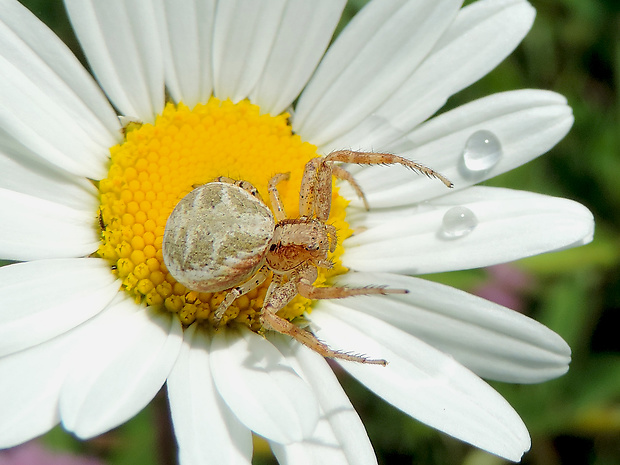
(573,49)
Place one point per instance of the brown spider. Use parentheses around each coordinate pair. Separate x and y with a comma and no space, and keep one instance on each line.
(222,236)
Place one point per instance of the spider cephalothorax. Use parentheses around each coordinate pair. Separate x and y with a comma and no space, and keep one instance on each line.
(299,241)
(222,236)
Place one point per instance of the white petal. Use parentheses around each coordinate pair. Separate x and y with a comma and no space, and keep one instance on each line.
(205,429)
(492,341)
(51,107)
(31,381)
(34,228)
(126,361)
(121,42)
(262,390)
(502,225)
(423,382)
(340,437)
(527,123)
(42,299)
(303,35)
(187,30)
(369,61)
(244,34)
(480,37)
(33,178)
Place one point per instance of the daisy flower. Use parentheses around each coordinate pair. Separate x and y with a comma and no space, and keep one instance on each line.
(92,325)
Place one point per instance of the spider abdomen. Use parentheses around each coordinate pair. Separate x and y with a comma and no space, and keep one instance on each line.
(217,237)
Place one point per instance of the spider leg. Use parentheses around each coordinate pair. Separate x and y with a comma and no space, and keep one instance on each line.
(225,179)
(371,158)
(306,288)
(315,194)
(237,292)
(308,188)
(344,175)
(323,191)
(333,236)
(278,295)
(245,185)
(274,322)
(310,292)
(274,195)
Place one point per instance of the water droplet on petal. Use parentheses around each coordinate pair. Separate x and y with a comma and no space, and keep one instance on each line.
(481,153)
(458,222)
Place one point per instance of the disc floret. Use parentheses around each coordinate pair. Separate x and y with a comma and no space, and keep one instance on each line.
(158,164)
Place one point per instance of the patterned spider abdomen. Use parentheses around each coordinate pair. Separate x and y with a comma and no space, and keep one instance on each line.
(217,237)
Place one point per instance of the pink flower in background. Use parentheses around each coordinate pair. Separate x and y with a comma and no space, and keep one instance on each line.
(33,453)
(506,285)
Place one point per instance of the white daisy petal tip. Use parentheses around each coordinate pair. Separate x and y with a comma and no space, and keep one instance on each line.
(475,227)
(493,341)
(261,388)
(109,383)
(585,226)
(426,383)
(470,144)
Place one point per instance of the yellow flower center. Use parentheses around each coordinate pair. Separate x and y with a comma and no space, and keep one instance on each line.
(158,164)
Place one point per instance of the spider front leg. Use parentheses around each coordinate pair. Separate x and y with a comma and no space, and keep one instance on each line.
(236,292)
(278,295)
(316,186)
(340,173)
(308,188)
(274,195)
(372,158)
(315,195)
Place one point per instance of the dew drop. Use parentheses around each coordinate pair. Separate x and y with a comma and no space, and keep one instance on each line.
(458,222)
(481,153)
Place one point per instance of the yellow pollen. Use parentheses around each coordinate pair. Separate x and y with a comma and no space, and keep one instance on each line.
(158,164)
